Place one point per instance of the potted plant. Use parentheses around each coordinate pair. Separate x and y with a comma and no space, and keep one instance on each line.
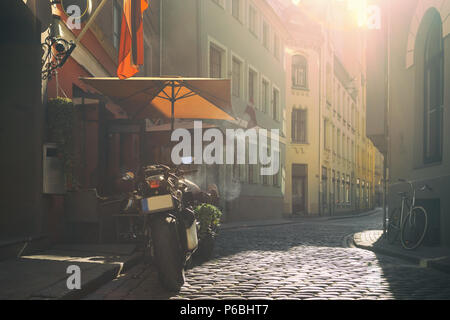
(208,217)
(60,126)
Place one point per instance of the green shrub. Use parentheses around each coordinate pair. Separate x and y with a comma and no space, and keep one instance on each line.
(209,219)
(60,126)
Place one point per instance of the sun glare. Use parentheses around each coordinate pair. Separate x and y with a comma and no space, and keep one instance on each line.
(358,11)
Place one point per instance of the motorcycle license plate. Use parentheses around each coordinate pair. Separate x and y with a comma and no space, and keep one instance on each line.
(157,204)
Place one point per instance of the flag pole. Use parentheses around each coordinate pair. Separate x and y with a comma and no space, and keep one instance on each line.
(90,21)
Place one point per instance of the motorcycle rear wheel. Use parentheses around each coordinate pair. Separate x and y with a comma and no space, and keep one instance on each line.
(168,253)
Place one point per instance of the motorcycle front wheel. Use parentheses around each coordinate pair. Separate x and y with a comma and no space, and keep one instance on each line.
(168,253)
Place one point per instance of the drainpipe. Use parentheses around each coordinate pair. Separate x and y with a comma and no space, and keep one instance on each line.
(320,128)
(386,118)
(199,38)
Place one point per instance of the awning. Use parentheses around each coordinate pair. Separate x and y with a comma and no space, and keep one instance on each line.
(181,98)
(188,125)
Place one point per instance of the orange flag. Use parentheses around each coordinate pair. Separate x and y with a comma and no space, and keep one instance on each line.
(131,50)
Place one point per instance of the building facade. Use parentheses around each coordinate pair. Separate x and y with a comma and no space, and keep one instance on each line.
(418,121)
(330,162)
(241,40)
(103,147)
(23,207)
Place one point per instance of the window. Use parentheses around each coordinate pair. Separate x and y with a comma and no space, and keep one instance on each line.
(252,20)
(357,122)
(265,95)
(338,187)
(344,107)
(339,100)
(252,81)
(347,110)
(299,126)
(339,142)
(326,138)
(348,154)
(147,60)
(299,71)
(215,62)
(276,104)
(347,191)
(265,35)
(352,153)
(344,151)
(236,77)
(117,20)
(334,139)
(276,46)
(353,116)
(328,83)
(236,9)
(433,92)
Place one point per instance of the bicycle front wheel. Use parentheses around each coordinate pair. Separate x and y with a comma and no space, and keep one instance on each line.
(414,228)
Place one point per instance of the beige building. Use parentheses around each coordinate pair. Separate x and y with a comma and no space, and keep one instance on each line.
(241,40)
(330,162)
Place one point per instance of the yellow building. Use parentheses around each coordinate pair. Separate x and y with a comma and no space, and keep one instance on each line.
(330,162)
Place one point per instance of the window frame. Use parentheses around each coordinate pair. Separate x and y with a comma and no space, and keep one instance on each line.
(431,65)
(241,77)
(253,24)
(276,116)
(224,53)
(253,103)
(265,107)
(302,65)
(297,127)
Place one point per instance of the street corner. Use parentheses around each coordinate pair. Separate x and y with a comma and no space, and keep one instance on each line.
(368,238)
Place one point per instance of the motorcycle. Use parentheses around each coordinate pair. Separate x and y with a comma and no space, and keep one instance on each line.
(165,199)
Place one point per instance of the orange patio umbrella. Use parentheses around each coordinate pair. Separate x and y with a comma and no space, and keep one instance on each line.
(174,98)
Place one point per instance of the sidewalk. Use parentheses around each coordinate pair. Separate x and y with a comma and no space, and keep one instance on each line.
(292,220)
(432,257)
(44,275)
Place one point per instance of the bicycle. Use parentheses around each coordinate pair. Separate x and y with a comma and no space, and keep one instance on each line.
(413,227)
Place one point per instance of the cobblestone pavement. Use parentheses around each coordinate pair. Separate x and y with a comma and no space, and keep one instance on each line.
(305,260)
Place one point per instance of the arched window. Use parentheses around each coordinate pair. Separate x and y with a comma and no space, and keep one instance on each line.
(433,92)
(299,71)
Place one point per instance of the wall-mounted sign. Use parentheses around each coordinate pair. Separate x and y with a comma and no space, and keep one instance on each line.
(84,7)
(53,170)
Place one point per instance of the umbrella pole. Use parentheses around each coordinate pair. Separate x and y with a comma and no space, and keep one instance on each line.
(173,106)
(173,115)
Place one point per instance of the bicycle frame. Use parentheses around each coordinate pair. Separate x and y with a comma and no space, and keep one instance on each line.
(404,201)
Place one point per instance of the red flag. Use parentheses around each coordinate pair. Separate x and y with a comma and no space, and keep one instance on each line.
(131,50)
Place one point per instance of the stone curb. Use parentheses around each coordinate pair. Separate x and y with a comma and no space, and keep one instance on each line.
(364,214)
(427,263)
(296,220)
(105,277)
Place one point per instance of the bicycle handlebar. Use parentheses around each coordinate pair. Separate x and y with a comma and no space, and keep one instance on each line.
(423,188)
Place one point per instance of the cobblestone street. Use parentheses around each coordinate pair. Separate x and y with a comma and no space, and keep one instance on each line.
(304,260)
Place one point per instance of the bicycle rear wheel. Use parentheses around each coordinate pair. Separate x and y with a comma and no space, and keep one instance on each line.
(414,228)
(393,228)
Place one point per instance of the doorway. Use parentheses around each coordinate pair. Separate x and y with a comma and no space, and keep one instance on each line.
(299,189)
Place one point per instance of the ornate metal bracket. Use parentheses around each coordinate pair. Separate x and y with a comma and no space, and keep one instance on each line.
(56,52)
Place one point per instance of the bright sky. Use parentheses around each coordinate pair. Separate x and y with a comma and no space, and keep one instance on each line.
(359,10)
